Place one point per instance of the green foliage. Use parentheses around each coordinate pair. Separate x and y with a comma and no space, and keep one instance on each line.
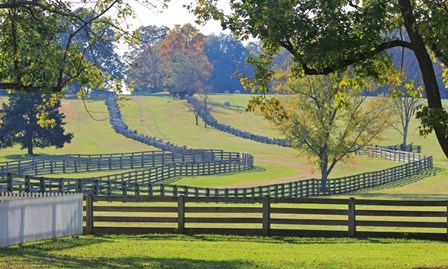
(184,62)
(328,36)
(32,120)
(325,118)
(48,45)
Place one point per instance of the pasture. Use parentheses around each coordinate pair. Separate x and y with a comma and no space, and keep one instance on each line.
(167,119)
(225,252)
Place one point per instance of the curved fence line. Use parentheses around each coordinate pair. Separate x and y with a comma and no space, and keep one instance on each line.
(210,120)
(414,164)
(73,163)
(122,128)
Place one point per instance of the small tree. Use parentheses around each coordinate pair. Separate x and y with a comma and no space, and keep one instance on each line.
(32,120)
(201,105)
(326,119)
(406,98)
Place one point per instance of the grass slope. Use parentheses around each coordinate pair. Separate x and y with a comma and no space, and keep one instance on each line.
(434,185)
(168,119)
(225,252)
(90,135)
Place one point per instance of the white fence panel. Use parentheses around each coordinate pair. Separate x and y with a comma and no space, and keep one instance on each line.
(28,217)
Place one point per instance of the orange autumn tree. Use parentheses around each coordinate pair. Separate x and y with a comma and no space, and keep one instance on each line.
(185,66)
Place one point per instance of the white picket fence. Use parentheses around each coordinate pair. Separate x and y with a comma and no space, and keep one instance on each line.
(27,217)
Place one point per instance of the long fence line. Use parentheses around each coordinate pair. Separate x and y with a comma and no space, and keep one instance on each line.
(122,128)
(210,120)
(74,163)
(267,216)
(204,113)
(144,183)
(109,184)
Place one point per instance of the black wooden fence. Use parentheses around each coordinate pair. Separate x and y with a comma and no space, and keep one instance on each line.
(73,163)
(267,216)
(143,182)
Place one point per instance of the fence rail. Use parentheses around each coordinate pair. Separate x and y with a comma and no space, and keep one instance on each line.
(218,162)
(73,163)
(144,182)
(267,216)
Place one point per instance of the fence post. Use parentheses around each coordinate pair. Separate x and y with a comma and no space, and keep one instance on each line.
(89,214)
(351,217)
(266,215)
(27,184)
(9,182)
(181,214)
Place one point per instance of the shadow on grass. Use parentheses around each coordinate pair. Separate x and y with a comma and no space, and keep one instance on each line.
(68,253)
(256,169)
(371,192)
(269,240)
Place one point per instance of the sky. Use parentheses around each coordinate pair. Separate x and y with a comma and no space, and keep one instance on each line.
(174,14)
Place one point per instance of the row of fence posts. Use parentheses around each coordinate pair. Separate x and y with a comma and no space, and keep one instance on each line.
(266,215)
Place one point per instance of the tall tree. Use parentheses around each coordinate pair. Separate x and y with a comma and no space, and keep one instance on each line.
(40,42)
(326,36)
(228,57)
(20,124)
(327,119)
(184,62)
(144,72)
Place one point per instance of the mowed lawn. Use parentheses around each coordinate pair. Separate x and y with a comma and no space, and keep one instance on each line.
(91,135)
(224,252)
(162,117)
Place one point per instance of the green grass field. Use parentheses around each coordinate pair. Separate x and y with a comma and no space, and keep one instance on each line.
(167,119)
(90,135)
(225,252)
(161,116)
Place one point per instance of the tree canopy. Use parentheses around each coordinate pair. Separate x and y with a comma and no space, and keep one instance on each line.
(20,122)
(326,118)
(327,36)
(46,45)
(184,62)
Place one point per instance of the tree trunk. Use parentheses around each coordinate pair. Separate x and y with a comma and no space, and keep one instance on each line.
(196,116)
(405,136)
(426,68)
(29,142)
(324,171)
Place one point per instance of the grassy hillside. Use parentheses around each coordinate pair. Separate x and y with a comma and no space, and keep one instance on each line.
(433,185)
(168,119)
(90,135)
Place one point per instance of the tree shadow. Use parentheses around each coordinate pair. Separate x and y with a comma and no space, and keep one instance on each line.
(256,169)
(54,254)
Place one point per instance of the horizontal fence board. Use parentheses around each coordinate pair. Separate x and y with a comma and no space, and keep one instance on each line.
(222,210)
(133,209)
(223,199)
(400,202)
(308,201)
(309,222)
(310,211)
(131,199)
(223,231)
(223,220)
(398,213)
(132,230)
(307,233)
(134,219)
(413,224)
